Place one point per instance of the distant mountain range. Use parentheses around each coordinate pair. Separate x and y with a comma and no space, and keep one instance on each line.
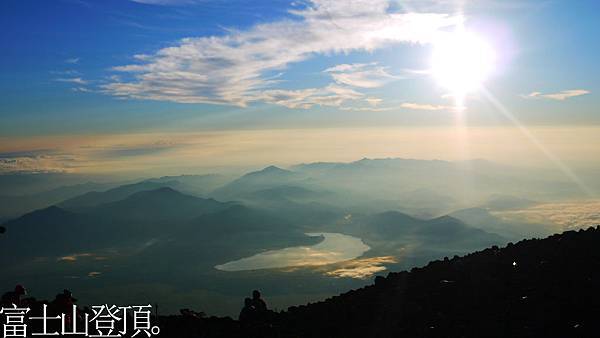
(267,178)
(14,203)
(418,187)
(407,211)
(285,202)
(95,221)
(276,202)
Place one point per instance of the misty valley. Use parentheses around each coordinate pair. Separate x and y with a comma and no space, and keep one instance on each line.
(300,169)
(299,235)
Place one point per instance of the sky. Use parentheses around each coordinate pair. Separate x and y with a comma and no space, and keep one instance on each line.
(173,86)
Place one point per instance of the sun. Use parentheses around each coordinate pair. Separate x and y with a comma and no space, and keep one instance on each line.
(461,61)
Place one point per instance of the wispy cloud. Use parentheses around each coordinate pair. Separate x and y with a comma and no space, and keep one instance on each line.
(86,153)
(76,80)
(72,60)
(331,96)
(46,163)
(143,149)
(424,106)
(82,90)
(559,96)
(234,69)
(164,2)
(363,75)
(67,72)
(83,255)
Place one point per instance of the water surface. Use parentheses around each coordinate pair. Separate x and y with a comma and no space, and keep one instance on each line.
(334,248)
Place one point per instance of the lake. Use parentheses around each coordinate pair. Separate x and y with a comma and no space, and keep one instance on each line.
(334,248)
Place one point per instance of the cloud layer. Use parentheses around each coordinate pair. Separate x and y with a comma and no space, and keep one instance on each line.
(559,96)
(49,163)
(238,67)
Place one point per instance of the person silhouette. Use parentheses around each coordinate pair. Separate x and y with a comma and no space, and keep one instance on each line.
(254,317)
(247,311)
(14,297)
(259,305)
(63,304)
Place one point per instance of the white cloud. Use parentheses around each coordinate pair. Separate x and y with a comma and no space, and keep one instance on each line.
(76,80)
(234,69)
(68,72)
(330,96)
(373,105)
(36,164)
(421,106)
(560,96)
(72,60)
(373,101)
(364,75)
(82,90)
(369,109)
(163,2)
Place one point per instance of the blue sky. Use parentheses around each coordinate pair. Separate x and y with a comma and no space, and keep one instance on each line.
(75,68)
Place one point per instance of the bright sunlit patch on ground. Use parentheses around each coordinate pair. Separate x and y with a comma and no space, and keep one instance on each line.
(461,62)
(361,268)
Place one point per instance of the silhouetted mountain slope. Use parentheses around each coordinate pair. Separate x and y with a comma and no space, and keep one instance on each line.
(446,228)
(390,224)
(142,216)
(242,219)
(266,178)
(162,204)
(394,228)
(95,198)
(535,288)
(366,163)
(239,231)
(284,192)
(49,230)
(204,231)
(12,206)
(34,183)
(193,184)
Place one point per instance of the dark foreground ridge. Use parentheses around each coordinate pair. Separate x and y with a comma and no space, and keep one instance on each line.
(535,288)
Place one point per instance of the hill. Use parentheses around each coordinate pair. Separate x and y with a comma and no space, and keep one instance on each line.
(94,198)
(392,231)
(198,185)
(160,204)
(139,217)
(204,231)
(535,288)
(12,206)
(266,178)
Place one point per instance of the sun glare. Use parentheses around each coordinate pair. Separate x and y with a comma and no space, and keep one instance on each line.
(461,62)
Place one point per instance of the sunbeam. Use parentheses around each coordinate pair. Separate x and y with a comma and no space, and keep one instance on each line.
(550,155)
